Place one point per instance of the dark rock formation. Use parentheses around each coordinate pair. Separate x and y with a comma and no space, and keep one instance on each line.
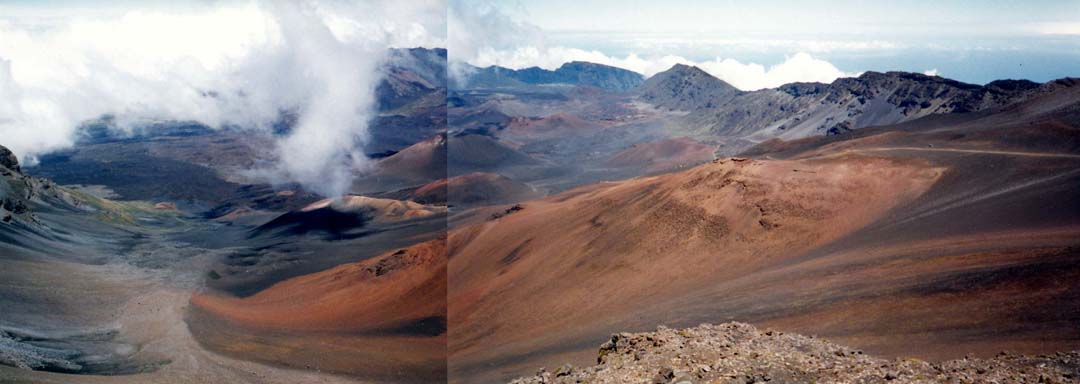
(8,159)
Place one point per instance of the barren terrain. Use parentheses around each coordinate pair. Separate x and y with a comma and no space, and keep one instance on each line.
(933,239)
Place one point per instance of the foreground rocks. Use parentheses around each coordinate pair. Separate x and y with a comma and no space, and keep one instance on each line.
(740,353)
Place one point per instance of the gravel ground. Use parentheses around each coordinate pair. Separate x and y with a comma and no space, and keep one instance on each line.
(740,353)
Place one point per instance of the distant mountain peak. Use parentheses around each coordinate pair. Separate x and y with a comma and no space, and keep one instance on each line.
(695,75)
(684,67)
(686,87)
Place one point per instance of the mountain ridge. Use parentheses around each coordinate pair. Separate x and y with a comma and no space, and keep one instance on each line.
(796,110)
(571,73)
(707,108)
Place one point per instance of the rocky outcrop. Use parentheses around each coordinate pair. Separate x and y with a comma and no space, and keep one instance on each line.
(14,191)
(8,159)
(741,353)
(20,192)
(477,188)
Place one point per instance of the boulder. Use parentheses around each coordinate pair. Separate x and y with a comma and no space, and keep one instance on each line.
(8,159)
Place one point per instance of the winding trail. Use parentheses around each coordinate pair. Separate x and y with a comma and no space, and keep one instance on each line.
(159,277)
(978,151)
(847,151)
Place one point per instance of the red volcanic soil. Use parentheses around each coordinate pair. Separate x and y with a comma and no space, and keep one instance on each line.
(444,156)
(663,155)
(425,160)
(381,318)
(377,294)
(548,276)
(477,188)
(936,238)
(558,125)
(376,209)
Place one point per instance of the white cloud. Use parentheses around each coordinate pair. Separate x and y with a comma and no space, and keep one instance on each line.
(473,27)
(679,42)
(482,35)
(800,67)
(216,63)
(931,72)
(1056,28)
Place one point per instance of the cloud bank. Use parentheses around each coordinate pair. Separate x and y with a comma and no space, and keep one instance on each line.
(475,27)
(482,35)
(237,64)
(798,67)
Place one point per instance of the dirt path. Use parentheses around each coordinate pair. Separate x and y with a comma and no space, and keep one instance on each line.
(153,283)
(157,319)
(979,151)
(846,151)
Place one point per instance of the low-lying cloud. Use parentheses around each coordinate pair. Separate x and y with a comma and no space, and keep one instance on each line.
(481,34)
(800,67)
(235,64)
(475,28)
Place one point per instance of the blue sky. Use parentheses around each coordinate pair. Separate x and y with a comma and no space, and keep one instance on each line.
(973,41)
(778,16)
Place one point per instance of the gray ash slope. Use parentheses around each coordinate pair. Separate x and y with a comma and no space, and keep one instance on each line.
(741,353)
(55,241)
